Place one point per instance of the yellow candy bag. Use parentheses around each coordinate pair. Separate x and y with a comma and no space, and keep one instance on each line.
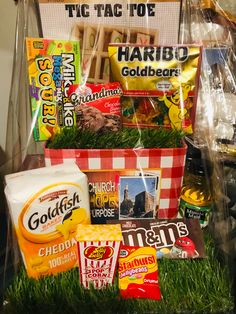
(160,84)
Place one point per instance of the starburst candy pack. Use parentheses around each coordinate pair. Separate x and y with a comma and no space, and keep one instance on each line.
(46,205)
(53,66)
(138,273)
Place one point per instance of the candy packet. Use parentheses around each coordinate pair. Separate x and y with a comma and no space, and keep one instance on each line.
(180,238)
(53,65)
(164,78)
(138,273)
(98,248)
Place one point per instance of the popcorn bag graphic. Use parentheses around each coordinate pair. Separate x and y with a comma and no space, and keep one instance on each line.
(46,205)
(98,247)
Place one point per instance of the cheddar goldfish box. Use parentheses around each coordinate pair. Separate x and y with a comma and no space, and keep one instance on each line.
(98,247)
(53,66)
(46,205)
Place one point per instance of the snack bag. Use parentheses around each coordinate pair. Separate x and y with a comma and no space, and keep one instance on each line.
(166,79)
(138,274)
(46,205)
(97,106)
(180,238)
(98,247)
(53,66)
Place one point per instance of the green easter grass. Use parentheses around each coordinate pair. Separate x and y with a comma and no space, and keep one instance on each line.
(126,138)
(187,286)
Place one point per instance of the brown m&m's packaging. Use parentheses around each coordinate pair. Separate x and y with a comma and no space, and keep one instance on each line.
(175,238)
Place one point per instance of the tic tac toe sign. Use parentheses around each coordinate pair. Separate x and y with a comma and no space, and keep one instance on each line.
(96,24)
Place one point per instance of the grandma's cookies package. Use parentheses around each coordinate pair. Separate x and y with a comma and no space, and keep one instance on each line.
(46,205)
(97,106)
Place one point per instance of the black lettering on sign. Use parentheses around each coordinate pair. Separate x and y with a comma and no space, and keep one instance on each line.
(77,10)
(141,9)
(152,54)
(108,10)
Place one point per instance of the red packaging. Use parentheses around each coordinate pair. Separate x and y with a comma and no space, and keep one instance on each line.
(97,106)
(98,252)
(138,273)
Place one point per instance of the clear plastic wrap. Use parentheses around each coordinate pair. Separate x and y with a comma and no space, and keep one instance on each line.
(19,141)
(213,26)
(149,156)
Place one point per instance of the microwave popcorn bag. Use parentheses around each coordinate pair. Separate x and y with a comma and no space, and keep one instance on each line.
(138,273)
(46,205)
(159,83)
(98,247)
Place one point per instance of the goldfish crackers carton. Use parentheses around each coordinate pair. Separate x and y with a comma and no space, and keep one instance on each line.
(46,205)
(98,247)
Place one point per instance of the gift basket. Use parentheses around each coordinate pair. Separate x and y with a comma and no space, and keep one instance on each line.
(120,173)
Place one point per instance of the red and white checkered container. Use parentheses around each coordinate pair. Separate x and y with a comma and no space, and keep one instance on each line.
(170,161)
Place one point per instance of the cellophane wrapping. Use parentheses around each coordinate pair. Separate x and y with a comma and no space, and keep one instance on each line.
(210,25)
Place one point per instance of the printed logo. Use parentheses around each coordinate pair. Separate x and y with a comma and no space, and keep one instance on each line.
(98,252)
(142,261)
(52,212)
(84,95)
(124,253)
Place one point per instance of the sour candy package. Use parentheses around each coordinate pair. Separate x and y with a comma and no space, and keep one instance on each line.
(138,273)
(53,66)
(159,84)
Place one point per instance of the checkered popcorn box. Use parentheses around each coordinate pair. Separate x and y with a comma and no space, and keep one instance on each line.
(128,183)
